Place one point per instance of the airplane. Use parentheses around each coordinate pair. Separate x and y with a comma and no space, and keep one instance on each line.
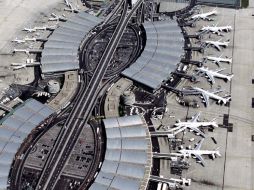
(67,3)
(18,41)
(217,44)
(194,124)
(71,8)
(17,66)
(206,95)
(57,18)
(216,29)
(204,16)
(218,60)
(27,51)
(29,29)
(197,153)
(210,74)
(40,28)
(182,181)
(22,50)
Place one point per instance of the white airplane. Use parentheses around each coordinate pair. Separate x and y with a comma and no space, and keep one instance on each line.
(216,29)
(206,95)
(194,124)
(29,29)
(197,153)
(17,66)
(18,41)
(57,18)
(204,16)
(210,74)
(182,181)
(217,44)
(67,3)
(40,28)
(22,50)
(218,60)
(71,8)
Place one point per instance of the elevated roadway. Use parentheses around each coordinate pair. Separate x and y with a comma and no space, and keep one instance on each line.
(82,108)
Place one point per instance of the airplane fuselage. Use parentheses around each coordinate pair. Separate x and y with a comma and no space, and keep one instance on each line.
(204,15)
(217,43)
(198,152)
(210,74)
(212,95)
(196,124)
(218,59)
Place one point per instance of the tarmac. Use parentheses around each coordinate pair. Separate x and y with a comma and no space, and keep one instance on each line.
(234,170)
(239,166)
(14,16)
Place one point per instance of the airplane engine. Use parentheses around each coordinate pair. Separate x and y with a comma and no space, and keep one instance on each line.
(219,102)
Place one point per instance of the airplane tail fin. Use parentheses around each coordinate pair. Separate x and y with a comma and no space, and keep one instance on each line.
(213,121)
(226,99)
(217,152)
(229,77)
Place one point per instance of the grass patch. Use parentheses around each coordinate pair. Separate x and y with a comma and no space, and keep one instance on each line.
(245,3)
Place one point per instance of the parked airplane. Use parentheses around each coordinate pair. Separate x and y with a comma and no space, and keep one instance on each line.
(182,181)
(29,29)
(67,3)
(206,95)
(218,60)
(216,29)
(18,41)
(57,18)
(205,16)
(27,51)
(197,153)
(39,28)
(217,44)
(194,124)
(210,74)
(17,66)
(71,8)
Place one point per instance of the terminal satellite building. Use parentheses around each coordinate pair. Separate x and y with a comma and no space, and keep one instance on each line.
(14,130)
(128,158)
(163,50)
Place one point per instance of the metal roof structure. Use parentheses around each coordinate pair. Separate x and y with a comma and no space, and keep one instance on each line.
(162,52)
(60,52)
(127,161)
(231,3)
(14,129)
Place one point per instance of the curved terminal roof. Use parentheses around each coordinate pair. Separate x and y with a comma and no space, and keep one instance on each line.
(162,52)
(128,155)
(60,52)
(14,128)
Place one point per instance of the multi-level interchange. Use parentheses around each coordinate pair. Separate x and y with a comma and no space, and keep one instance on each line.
(127,95)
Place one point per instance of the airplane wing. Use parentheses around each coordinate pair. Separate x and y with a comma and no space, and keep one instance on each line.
(210,77)
(195,117)
(219,70)
(217,63)
(200,158)
(217,47)
(198,131)
(199,144)
(179,130)
(216,91)
(206,99)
